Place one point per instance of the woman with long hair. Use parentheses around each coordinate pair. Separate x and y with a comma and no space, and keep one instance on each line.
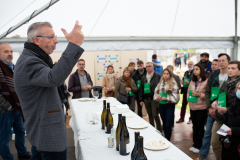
(167,93)
(109,81)
(125,88)
(197,104)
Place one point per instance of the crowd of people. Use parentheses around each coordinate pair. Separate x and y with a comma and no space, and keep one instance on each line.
(212,90)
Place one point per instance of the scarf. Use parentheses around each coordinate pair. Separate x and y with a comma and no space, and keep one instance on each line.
(127,80)
(36,50)
(8,89)
(111,79)
(149,77)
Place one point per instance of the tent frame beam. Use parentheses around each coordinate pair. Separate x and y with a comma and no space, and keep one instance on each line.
(142,38)
(235,50)
(27,19)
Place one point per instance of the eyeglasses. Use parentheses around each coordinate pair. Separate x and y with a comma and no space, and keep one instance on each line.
(148,66)
(219,61)
(53,38)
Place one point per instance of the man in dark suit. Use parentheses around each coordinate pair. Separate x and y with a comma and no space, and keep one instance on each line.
(40,87)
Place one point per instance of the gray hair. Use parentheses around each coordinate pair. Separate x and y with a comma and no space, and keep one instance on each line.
(35,30)
(149,63)
(192,62)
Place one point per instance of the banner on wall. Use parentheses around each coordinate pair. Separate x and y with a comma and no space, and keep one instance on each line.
(100,75)
(134,60)
(105,65)
(101,58)
(113,58)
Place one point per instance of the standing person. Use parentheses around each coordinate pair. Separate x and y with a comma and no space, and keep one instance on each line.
(137,77)
(11,115)
(168,86)
(214,84)
(186,81)
(205,62)
(80,82)
(148,84)
(225,99)
(131,66)
(178,61)
(214,67)
(197,104)
(232,121)
(39,86)
(125,85)
(176,77)
(157,64)
(185,58)
(109,81)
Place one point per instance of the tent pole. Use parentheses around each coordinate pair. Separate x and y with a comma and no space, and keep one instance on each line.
(26,20)
(235,51)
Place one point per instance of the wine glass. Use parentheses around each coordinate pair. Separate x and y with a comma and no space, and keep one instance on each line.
(96,95)
(89,84)
(90,121)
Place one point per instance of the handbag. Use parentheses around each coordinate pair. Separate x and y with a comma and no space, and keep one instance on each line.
(109,94)
(124,98)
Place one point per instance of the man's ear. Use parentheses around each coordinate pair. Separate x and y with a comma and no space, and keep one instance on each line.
(36,41)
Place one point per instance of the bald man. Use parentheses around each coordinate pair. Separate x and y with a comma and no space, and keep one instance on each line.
(10,109)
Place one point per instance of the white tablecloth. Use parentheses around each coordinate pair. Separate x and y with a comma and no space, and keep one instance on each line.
(95,146)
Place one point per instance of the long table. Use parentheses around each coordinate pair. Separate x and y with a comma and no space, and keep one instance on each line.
(95,146)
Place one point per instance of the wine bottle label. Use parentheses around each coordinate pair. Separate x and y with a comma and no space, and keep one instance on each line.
(128,148)
(105,129)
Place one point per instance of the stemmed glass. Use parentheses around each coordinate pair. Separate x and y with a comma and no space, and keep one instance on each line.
(96,95)
(90,121)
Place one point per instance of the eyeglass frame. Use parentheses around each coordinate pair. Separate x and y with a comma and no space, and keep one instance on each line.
(54,38)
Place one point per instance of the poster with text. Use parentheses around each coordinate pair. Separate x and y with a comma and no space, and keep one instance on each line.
(100,75)
(113,58)
(101,58)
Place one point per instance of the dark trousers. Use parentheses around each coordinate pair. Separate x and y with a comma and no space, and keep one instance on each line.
(184,106)
(152,111)
(8,120)
(41,155)
(198,120)
(167,115)
(232,152)
(185,61)
(139,107)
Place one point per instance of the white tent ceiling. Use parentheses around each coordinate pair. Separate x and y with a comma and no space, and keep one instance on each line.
(132,18)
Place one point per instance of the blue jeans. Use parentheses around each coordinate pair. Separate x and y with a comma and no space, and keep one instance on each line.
(167,115)
(207,138)
(41,155)
(7,121)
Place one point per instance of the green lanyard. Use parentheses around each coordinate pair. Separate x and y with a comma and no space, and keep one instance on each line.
(217,77)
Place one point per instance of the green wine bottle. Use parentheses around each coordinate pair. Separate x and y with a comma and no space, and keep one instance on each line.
(108,120)
(124,148)
(118,131)
(104,112)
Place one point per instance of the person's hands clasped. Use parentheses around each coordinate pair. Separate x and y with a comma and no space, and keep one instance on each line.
(164,99)
(75,36)
(159,97)
(186,82)
(212,112)
(84,88)
(89,87)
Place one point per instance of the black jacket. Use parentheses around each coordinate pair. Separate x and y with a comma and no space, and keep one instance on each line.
(233,122)
(137,76)
(153,84)
(74,85)
(185,89)
(228,87)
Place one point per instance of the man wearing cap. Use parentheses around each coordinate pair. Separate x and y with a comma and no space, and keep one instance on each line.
(205,62)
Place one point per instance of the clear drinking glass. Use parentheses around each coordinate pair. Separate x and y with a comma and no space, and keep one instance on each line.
(90,121)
